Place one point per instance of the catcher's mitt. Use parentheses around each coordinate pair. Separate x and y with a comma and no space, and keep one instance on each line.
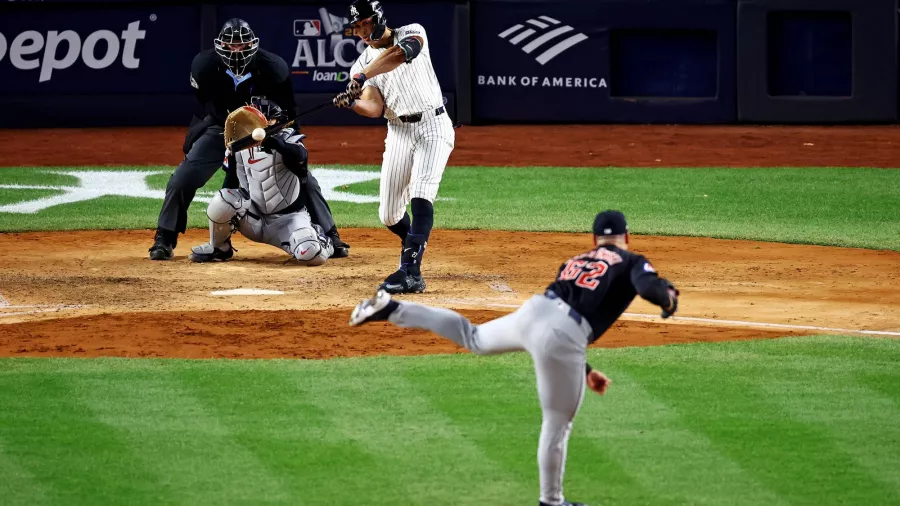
(241,122)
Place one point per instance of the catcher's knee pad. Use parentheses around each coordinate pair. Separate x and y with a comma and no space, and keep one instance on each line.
(226,204)
(310,248)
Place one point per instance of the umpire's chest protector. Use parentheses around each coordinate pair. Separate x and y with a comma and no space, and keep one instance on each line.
(271,185)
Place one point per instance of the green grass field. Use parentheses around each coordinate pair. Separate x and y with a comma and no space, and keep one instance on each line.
(844,207)
(791,421)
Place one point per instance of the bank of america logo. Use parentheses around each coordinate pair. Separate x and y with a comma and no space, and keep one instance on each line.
(544,35)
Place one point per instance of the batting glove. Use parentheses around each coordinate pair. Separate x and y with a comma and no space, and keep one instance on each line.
(354,87)
(343,100)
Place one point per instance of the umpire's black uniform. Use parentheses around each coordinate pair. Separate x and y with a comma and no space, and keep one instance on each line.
(221,87)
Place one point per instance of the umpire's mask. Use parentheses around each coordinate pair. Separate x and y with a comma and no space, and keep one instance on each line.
(237,45)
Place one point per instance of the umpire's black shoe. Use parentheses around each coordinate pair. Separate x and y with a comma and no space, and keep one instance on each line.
(341,249)
(403,282)
(163,245)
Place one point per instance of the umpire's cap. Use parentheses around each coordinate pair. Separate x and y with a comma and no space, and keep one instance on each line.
(610,222)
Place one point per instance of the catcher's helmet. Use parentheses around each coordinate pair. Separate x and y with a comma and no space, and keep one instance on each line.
(236,45)
(364,9)
(270,109)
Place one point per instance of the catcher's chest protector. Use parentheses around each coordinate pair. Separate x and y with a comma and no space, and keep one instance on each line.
(271,185)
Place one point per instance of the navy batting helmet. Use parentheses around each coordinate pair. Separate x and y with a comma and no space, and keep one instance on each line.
(365,9)
(236,45)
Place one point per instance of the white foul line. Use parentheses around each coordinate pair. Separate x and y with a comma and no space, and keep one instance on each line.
(738,323)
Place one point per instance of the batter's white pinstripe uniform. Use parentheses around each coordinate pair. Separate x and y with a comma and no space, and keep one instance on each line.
(415,153)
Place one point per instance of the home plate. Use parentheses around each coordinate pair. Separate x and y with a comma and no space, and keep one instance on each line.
(247,291)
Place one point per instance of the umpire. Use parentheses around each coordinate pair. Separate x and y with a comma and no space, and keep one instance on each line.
(224,79)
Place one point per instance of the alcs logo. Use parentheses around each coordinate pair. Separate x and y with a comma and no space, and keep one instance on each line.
(324,43)
(62,49)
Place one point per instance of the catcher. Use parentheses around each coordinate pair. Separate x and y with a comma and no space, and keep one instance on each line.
(263,194)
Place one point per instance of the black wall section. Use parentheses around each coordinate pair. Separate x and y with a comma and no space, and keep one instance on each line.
(604,61)
(817,61)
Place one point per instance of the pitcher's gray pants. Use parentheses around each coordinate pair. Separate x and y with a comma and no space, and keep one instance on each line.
(557,344)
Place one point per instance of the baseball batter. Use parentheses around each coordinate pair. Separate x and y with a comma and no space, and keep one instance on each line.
(263,193)
(589,294)
(394,78)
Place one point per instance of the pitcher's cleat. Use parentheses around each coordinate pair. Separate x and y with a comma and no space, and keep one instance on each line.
(378,308)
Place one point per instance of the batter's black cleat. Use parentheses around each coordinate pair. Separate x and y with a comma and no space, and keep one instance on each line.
(378,308)
(208,253)
(403,282)
(163,245)
(564,503)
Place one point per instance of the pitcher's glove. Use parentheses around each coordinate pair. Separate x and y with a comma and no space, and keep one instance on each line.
(673,298)
(343,100)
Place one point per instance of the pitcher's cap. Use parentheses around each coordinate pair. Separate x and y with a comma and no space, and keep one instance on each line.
(610,223)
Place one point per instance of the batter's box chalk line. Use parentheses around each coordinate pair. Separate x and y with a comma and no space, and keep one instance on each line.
(245,291)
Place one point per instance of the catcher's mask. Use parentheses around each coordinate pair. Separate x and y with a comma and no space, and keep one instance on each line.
(270,109)
(241,122)
(365,9)
(237,45)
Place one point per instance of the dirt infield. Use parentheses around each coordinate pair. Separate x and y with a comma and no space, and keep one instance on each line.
(97,293)
(561,145)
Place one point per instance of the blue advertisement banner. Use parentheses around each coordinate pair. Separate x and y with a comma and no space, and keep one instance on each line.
(320,51)
(593,61)
(93,50)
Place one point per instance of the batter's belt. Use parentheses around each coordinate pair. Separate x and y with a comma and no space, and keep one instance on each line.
(417,117)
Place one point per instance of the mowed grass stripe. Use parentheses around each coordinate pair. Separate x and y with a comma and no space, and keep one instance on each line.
(500,398)
(183,447)
(795,458)
(426,458)
(18,485)
(267,408)
(72,457)
(863,412)
(645,437)
(494,403)
(867,401)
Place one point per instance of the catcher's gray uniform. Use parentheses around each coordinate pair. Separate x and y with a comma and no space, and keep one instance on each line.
(268,207)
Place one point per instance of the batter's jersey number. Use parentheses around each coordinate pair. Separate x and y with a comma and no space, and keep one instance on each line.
(584,273)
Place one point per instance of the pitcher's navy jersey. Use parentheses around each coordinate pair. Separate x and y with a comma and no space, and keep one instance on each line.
(600,284)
